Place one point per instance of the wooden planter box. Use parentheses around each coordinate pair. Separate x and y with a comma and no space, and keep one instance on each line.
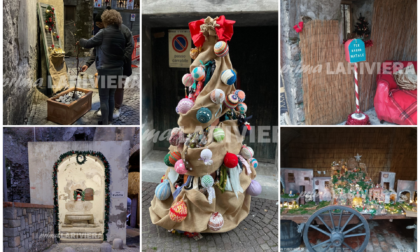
(67,114)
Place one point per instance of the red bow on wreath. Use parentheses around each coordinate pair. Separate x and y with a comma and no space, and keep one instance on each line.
(219,26)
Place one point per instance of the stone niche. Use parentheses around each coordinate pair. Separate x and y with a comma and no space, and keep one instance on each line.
(85,215)
(83,218)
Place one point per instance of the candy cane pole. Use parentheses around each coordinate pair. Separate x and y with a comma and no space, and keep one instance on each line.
(356,89)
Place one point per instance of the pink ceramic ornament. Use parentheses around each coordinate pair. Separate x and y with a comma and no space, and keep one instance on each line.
(180,167)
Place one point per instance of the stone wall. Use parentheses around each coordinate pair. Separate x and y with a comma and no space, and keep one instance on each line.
(20,65)
(293,11)
(25,227)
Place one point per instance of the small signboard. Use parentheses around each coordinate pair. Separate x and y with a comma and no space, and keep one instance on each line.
(355,50)
(179,48)
(98,3)
(130,4)
(117,194)
(133,17)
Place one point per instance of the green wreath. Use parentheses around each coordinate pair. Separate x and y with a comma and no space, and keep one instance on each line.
(75,195)
(84,158)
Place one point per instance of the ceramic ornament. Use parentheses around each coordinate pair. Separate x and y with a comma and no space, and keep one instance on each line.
(216,222)
(205,156)
(184,105)
(187,80)
(254,163)
(230,160)
(174,157)
(231,101)
(221,49)
(204,115)
(217,96)
(178,211)
(240,94)
(254,188)
(218,134)
(242,108)
(166,160)
(198,73)
(228,77)
(247,152)
(163,190)
(207,182)
(180,167)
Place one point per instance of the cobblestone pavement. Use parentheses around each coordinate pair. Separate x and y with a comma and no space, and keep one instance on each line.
(130,110)
(132,240)
(384,236)
(258,232)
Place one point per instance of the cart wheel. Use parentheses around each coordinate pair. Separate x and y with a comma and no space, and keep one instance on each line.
(336,232)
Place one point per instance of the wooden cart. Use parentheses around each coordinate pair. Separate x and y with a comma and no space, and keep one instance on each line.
(336,219)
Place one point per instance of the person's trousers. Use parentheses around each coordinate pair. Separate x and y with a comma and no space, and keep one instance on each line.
(107,85)
(119,94)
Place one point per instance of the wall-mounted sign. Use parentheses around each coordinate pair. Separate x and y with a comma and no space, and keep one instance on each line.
(130,4)
(355,50)
(88,194)
(179,48)
(133,17)
(98,3)
(117,194)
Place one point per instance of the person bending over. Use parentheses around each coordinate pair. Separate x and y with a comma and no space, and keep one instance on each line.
(109,44)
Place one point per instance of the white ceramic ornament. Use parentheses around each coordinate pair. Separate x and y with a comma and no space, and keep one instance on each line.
(205,156)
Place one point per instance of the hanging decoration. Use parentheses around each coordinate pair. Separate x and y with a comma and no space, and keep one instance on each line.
(298,28)
(107,182)
(50,17)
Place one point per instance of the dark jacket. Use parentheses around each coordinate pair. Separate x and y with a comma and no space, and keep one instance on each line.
(109,46)
(128,51)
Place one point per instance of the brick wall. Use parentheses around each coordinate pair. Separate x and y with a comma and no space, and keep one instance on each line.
(23,227)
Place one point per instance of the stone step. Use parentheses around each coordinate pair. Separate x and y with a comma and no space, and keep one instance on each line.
(66,240)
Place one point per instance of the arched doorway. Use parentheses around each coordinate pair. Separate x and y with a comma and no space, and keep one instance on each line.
(80,195)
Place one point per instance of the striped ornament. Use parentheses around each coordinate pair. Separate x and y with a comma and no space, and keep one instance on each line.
(187,80)
(173,157)
(218,134)
(228,77)
(166,160)
(163,190)
(178,211)
(231,101)
(247,152)
(254,163)
(221,49)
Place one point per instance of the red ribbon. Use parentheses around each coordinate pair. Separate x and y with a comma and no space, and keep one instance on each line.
(224,31)
(298,28)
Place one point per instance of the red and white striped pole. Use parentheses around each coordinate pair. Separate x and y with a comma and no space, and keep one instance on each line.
(356,89)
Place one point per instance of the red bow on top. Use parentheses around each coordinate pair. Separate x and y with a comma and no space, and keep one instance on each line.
(223,29)
(298,28)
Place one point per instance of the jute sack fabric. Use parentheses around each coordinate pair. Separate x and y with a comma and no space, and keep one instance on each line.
(233,209)
(406,78)
(231,143)
(188,122)
(58,72)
